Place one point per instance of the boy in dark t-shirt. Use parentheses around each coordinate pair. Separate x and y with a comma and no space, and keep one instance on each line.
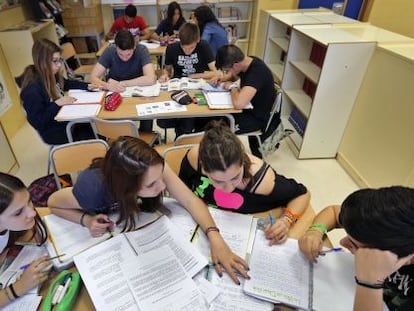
(188,58)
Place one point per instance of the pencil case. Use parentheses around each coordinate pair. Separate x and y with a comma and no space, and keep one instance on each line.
(66,304)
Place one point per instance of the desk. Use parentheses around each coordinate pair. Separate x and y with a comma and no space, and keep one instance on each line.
(84,302)
(127,110)
(159,51)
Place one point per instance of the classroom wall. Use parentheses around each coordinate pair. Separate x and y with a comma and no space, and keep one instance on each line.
(393,15)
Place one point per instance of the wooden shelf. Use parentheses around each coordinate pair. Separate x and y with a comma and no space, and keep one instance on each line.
(281,42)
(300,100)
(309,69)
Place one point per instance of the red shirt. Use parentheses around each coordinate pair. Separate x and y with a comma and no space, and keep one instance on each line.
(137,24)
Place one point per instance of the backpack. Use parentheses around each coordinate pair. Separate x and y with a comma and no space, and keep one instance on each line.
(41,188)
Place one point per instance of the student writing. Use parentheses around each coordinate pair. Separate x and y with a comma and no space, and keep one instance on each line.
(380,233)
(222,174)
(17,215)
(132,178)
(168,28)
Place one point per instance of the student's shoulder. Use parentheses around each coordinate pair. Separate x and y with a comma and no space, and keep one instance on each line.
(192,157)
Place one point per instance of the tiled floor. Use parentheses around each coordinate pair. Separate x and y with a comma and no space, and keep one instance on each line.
(326,180)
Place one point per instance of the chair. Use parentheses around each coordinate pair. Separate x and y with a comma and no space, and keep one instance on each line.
(274,112)
(185,139)
(175,154)
(69,52)
(112,129)
(76,156)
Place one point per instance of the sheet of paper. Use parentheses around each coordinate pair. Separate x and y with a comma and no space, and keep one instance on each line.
(334,273)
(71,112)
(207,289)
(236,229)
(142,220)
(164,232)
(278,273)
(86,97)
(148,44)
(68,237)
(159,282)
(144,91)
(168,106)
(180,217)
(232,297)
(219,100)
(100,268)
(27,302)
(185,83)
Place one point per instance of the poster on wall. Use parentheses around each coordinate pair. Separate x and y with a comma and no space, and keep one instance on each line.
(5,102)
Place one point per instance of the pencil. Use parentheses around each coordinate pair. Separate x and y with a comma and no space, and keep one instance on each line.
(24,267)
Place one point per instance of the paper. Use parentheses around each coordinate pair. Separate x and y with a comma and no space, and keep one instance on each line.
(28,302)
(219,100)
(73,111)
(150,44)
(184,83)
(159,282)
(101,265)
(86,97)
(68,237)
(236,229)
(232,297)
(142,91)
(180,217)
(169,106)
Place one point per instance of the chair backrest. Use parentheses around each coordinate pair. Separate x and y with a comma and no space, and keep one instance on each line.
(76,156)
(112,129)
(174,155)
(68,51)
(276,108)
(192,138)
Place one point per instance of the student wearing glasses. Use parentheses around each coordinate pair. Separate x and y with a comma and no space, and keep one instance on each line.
(42,93)
(124,64)
(380,233)
(224,175)
(17,216)
(133,178)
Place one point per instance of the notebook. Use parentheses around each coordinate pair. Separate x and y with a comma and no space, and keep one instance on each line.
(142,91)
(86,97)
(218,99)
(74,111)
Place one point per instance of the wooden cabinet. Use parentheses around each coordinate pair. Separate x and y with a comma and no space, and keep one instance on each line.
(323,71)
(17,42)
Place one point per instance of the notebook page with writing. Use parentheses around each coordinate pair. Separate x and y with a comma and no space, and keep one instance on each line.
(73,111)
(86,97)
(279,273)
(219,100)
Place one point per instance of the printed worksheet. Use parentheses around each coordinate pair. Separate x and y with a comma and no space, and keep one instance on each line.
(168,106)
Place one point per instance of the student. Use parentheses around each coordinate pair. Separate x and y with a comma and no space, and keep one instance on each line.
(132,178)
(188,58)
(210,28)
(256,87)
(222,174)
(380,228)
(42,93)
(168,28)
(17,215)
(126,64)
(131,22)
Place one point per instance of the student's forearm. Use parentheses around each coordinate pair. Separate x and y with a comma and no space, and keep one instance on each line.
(298,205)
(69,214)
(140,81)
(328,217)
(204,75)
(367,299)
(146,34)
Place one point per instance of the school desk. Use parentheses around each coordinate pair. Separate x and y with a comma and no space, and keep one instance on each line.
(127,110)
(84,302)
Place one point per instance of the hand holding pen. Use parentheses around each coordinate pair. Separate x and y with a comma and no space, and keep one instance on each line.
(100,224)
(277,231)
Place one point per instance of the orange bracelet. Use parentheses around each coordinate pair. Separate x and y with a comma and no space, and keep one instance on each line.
(212,228)
(296,215)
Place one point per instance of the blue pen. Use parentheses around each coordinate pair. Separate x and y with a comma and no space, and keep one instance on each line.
(271,219)
(332,250)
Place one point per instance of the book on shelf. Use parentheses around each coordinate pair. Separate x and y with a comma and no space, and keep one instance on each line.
(150,268)
(282,274)
(142,91)
(74,111)
(298,121)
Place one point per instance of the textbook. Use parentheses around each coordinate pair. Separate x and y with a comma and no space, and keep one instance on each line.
(184,83)
(142,91)
(168,106)
(75,111)
(86,97)
(69,238)
(282,274)
(149,268)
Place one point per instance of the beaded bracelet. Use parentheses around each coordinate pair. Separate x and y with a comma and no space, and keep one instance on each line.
(369,285)
(212,228)
(81,219)
(320,226)
(9,297)
(13,291)
(294,214)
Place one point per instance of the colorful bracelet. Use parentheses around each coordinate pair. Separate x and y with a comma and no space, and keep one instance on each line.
(294,214)
(212,228)
(81,219)
(320,226)
(369,285)
(13,291)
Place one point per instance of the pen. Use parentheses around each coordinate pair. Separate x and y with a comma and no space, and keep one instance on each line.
(24,267)
(271,219)
(64,290)
(104,221)
(332,250)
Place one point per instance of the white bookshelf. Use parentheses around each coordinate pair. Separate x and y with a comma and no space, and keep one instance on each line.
(319,91)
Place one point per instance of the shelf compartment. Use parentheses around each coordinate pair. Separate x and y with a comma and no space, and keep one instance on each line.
(277,70)
(300,100)
(307,68)
(281,42)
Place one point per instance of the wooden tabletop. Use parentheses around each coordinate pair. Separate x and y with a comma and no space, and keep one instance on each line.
(84,302)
